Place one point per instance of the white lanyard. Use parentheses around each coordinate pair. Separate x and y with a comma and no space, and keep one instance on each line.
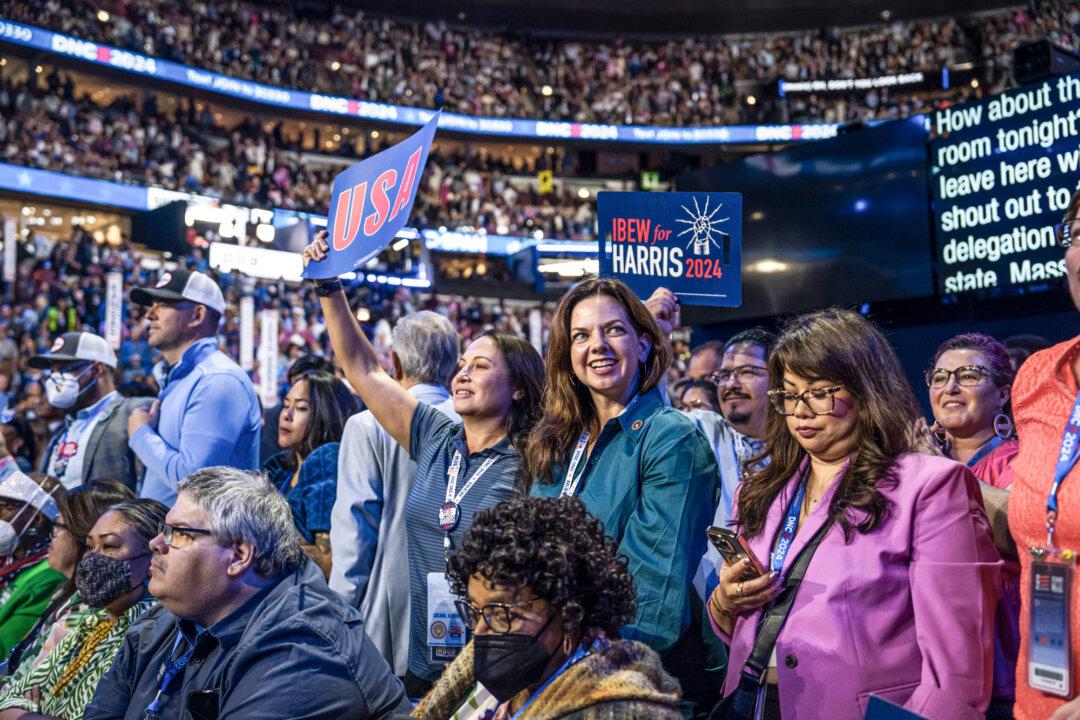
(455,467)
(571,483)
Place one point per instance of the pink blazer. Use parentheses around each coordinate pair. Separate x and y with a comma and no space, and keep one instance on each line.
(905,612)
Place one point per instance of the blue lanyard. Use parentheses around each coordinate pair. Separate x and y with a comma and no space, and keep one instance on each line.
(581,652)
(987,447)
(787,530)
(175,668)
(1067,457)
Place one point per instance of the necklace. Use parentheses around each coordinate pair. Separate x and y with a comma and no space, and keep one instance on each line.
(90,644)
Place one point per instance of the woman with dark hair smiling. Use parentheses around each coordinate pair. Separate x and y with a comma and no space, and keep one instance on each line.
(899,576)
(969,386)
(545,594)
(310,425)
(638,465)
(462,468)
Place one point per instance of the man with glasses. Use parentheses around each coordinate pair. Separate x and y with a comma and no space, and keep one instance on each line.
(738,433)
(92,444)
(247,626)
(207,412)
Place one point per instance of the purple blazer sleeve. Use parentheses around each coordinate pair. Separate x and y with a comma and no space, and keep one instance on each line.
(954,565)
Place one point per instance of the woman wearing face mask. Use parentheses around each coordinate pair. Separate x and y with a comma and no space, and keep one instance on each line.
(462,468)
(111,578)
(545,593)
(27,511)
(313,416)
(901,576)
(79,510)
(969,384)
(638,465)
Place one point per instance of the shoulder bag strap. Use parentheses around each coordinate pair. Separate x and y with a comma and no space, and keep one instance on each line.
(773,619)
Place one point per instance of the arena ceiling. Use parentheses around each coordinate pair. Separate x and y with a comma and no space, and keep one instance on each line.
(660,17)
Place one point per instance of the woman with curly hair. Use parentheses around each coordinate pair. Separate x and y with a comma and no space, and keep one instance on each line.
(640,466)
(545,594)
(899,595)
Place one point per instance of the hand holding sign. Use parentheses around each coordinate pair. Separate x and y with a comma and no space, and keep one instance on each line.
(370,202)
(688,242)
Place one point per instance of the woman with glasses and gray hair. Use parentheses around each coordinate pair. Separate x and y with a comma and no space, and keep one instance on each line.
(874,571)
(111,578)
(545,594)
(969,386)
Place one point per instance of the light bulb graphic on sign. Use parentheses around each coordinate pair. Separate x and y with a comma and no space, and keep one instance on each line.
(703,226)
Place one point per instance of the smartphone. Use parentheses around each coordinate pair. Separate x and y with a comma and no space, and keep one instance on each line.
(733,547)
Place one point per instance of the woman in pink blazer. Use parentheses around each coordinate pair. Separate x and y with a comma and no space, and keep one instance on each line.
(899,598)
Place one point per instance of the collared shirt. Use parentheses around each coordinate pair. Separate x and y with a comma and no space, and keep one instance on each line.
(368,537)
(433,440)
(294,650)
(209,416)
(63,464)
(732,449)
(71,700)
(652,481)
(313,495)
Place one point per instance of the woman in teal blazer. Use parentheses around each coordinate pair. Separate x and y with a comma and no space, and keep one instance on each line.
(637,464)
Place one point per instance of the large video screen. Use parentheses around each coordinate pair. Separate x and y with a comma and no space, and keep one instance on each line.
(840,221)
(1002,171)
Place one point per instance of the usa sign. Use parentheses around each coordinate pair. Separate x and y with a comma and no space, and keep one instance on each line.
(370,202)
(688,242)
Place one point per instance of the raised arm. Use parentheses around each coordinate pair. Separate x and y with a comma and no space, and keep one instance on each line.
(392,407)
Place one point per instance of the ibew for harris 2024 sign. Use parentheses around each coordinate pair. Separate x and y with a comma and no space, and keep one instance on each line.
(688,242)
(371,201)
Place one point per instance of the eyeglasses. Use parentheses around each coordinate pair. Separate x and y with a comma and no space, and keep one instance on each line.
(966,376)
(58,526)
(1065,232)
(745,374)
(185,534)
(819,401)
(496,615)
(11,506)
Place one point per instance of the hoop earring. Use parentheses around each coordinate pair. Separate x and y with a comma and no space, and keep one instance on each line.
(1003,426)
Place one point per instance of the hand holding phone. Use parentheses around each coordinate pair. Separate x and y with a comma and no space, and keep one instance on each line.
(733,548)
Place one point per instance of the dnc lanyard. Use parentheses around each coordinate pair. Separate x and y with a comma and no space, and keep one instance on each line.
(571,483)
(168,674)
(581,652)
(450,512)
(787,531)
(1067,457)
(987,447)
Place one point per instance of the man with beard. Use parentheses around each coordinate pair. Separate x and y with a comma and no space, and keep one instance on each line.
(737,435)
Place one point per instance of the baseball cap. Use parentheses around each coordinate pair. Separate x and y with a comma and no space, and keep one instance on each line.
(76,346)
(181,284)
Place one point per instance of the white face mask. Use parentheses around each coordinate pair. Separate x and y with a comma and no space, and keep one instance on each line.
(9,536)
(62,389)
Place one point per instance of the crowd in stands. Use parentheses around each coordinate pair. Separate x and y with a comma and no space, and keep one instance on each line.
(45,124)
(692,81)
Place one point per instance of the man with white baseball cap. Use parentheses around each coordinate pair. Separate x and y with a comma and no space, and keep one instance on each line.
(207,412)
(92,442)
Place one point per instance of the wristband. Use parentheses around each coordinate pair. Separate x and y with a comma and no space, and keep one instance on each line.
(326,289)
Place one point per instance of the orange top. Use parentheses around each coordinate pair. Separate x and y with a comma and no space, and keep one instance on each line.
(1043,396)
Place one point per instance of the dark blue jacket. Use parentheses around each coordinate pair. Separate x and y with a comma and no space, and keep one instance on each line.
(295,650)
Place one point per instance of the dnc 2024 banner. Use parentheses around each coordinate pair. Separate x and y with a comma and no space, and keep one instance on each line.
(370,202)
(688,242)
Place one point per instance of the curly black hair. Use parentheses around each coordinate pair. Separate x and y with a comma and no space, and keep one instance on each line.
(558,550)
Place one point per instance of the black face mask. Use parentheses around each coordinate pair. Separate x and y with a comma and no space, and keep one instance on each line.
(100,579)
(507,664)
